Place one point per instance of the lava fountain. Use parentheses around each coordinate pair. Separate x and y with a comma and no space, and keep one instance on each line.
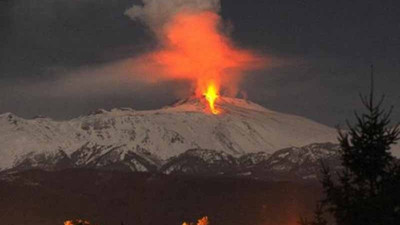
(211,96)
(194,47)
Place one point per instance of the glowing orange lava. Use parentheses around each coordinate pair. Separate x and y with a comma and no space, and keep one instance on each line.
(211,96)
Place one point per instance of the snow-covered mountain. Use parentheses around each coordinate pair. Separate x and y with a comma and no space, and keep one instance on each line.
(202,162)
(126,139)
(301,163)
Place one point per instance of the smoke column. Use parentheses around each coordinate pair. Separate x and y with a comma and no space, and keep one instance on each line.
(156,13)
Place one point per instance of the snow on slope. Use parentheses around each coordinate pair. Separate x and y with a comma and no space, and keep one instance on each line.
(295,163)
(156,135)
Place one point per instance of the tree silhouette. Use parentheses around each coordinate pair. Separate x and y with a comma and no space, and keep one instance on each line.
(367,190)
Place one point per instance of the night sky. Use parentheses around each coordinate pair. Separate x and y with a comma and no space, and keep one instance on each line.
(322,52)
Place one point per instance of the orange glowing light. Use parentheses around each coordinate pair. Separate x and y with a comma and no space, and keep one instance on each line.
(202,221)
(211,96)
(76,222)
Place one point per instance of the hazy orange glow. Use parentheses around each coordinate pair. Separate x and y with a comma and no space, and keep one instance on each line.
(194,48)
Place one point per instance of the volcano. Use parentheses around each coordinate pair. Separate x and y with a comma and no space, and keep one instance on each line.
(146,140)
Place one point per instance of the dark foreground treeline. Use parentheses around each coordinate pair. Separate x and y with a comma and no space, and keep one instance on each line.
(367,190)
(109,198)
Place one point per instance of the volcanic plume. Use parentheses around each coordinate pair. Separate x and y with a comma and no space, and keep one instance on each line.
(194,47)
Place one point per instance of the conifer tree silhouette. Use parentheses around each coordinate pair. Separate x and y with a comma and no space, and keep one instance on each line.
(367,190)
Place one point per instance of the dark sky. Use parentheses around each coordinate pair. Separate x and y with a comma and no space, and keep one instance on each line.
(326,48)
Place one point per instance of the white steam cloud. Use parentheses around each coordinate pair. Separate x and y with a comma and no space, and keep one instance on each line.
(156,13)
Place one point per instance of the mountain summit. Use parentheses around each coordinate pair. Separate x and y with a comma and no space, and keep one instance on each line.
(145,140)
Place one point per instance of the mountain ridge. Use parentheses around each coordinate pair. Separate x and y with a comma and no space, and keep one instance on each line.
(295,163)
(242,127)
(245,140)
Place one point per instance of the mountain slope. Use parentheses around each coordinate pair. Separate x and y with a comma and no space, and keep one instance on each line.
(202,162)
(126,138)
(295,163)
(298,162)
